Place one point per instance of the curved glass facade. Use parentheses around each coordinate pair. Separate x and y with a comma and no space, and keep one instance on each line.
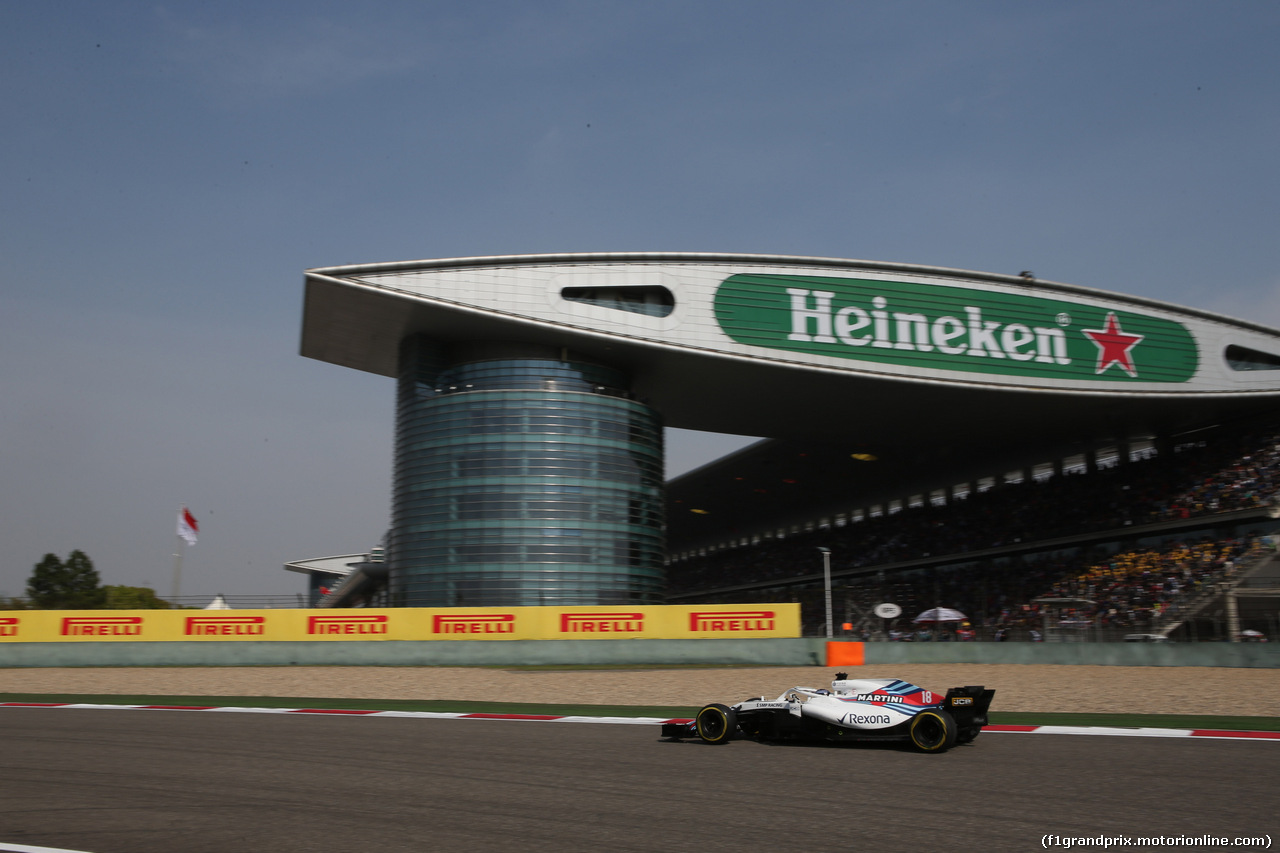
(523,481)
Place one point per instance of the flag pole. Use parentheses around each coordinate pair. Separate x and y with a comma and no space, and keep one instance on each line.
(187,530)
(186,534)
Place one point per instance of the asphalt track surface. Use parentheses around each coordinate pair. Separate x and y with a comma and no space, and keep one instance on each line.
(166,781)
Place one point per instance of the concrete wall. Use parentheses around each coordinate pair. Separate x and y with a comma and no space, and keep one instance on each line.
(766,652)
(1079,654)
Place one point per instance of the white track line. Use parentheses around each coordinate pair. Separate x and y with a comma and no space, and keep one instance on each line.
(1110,731)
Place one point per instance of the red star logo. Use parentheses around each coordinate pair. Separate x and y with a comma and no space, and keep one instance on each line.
(1114,346)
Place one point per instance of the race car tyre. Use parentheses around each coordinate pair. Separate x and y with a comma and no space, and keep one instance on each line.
(716,723)
(933,731)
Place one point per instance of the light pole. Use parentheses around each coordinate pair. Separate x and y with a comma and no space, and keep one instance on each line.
(826,582)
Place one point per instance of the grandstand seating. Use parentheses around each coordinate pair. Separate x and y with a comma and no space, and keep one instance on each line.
(980,554)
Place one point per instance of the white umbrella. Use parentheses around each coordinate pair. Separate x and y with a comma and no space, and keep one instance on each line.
(218,603)
(941,614)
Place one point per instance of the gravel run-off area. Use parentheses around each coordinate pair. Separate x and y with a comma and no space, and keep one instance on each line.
(1080,689)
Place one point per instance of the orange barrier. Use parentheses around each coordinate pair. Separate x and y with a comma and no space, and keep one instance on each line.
(845,654)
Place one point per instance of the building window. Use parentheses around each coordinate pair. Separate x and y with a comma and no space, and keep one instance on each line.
(1239,358)
(649,300)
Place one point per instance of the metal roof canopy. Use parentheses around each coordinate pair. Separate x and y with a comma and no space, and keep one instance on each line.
(776,484)
(924,433)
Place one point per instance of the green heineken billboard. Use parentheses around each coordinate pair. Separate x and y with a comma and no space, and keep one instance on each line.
(952,327)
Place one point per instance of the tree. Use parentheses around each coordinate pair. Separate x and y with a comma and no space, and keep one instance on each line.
(73,585)
(47,581)
(134,598)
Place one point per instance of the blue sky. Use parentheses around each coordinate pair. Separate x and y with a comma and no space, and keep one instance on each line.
(170,169)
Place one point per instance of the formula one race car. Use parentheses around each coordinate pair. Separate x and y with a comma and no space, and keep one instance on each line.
(865,709)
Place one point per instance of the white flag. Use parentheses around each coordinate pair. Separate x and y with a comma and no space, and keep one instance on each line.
(187,527)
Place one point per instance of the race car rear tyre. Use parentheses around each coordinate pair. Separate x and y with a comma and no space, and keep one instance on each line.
(716,723)
(933,731)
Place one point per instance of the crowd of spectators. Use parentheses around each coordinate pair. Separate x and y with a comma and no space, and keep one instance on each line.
(1132,588)
(1250,479)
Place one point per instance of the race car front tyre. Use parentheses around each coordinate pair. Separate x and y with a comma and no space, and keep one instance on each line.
(933,731)
(716,723)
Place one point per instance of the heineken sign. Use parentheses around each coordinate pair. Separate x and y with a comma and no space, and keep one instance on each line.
(953,328)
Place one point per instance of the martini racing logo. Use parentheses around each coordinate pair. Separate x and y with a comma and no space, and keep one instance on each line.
(474,623)
(225,626)
(737,620)
(9,626)
(601,623)
(346,625)
(101,626)
(929,326)
(878,697)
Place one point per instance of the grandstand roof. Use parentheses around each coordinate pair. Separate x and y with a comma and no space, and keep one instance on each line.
(941,375)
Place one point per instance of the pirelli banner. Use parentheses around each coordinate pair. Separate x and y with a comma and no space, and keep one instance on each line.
(675,622)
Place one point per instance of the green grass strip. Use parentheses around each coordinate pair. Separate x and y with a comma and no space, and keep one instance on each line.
(448,706)
(1008,718)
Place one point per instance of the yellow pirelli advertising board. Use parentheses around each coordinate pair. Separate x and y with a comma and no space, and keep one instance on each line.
(673,622)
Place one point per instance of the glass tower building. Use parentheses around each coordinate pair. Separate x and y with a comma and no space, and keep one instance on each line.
(523,476)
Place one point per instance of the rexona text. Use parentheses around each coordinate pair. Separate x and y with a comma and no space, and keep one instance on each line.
(812,319)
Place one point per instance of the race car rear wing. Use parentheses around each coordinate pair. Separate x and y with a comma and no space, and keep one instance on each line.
(968,705)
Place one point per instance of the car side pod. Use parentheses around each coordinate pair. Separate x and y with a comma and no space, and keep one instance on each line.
(716,723)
